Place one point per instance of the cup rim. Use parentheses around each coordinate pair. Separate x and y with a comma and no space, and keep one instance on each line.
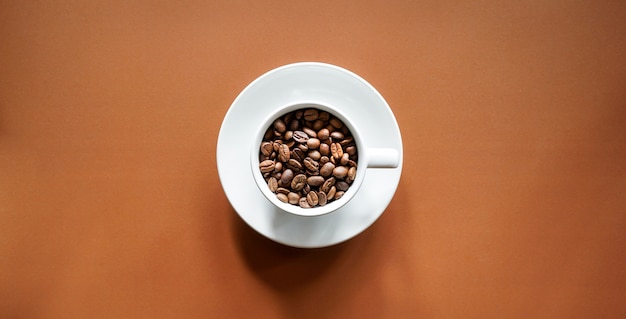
(295,209)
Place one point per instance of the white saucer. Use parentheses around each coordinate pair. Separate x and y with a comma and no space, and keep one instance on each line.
(311,81)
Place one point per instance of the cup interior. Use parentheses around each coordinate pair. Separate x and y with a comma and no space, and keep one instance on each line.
(295,209)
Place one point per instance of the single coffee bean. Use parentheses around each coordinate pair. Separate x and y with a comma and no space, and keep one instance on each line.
(298,114)
(315,155)
(277,144)
(282,190)
(294,165)
(298,182)
(304,203)
(311,114)
(336,150)
(268,134)
(312,198)
(336,123)
(327,169)
(318,124)
(273,184)
(339,194)
(282,197)
(324,149)
(311,165)
(300,136)
(280,126)
(286,178)
(323,134)
(309,131)
(267,148)
(324,159)
(342,186)
(290,143)
(283,153)
(352,163)
(321,198)
(303,147)
(328,184)
(340,172)
(315,181)
(288,135)
(330,195)
(267,166)
(351,150)
(313,143)
(351,175)
(293,198)
(278,167)
(336,135)
(344,159)
(294,125)
(324,116)
(297,154)
(306,189)
(347,141)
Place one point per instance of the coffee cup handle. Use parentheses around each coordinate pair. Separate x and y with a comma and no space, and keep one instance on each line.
(383,158)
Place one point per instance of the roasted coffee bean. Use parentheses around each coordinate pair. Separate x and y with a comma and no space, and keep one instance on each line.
(323,134)
(280,126)
(339,194)
(312,198)
(268,134)
(327,169)
(294,165)
(328,184)
(283,153)
(294,125)
(282,197)
(267,166)
(278,167)
(297,154)
(293,198)
(311,114)
(311,165)
(304,203)
(315,181)
(344,159)
(331,193)
(321,198)
(286,178)
(336,135)
(315,155)
(351,174)
(313,143)
(340,172)
(342,186)
(324,159)
(300,136)
(288,135)
(306,189)
(303,147)
(273,184)
(267,148)
(336,123)
(336,150)
(309,131)
(324,116)
(347,141)
(282,190)
(324,149)
(298,114)
(298,182)
(351,150)
(352,163)
(318,124)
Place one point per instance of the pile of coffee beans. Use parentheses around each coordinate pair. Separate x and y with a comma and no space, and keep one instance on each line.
(308,158)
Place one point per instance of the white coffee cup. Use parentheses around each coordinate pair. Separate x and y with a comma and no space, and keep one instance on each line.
(368,158)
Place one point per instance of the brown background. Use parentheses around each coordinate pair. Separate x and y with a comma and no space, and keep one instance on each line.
(511,204)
